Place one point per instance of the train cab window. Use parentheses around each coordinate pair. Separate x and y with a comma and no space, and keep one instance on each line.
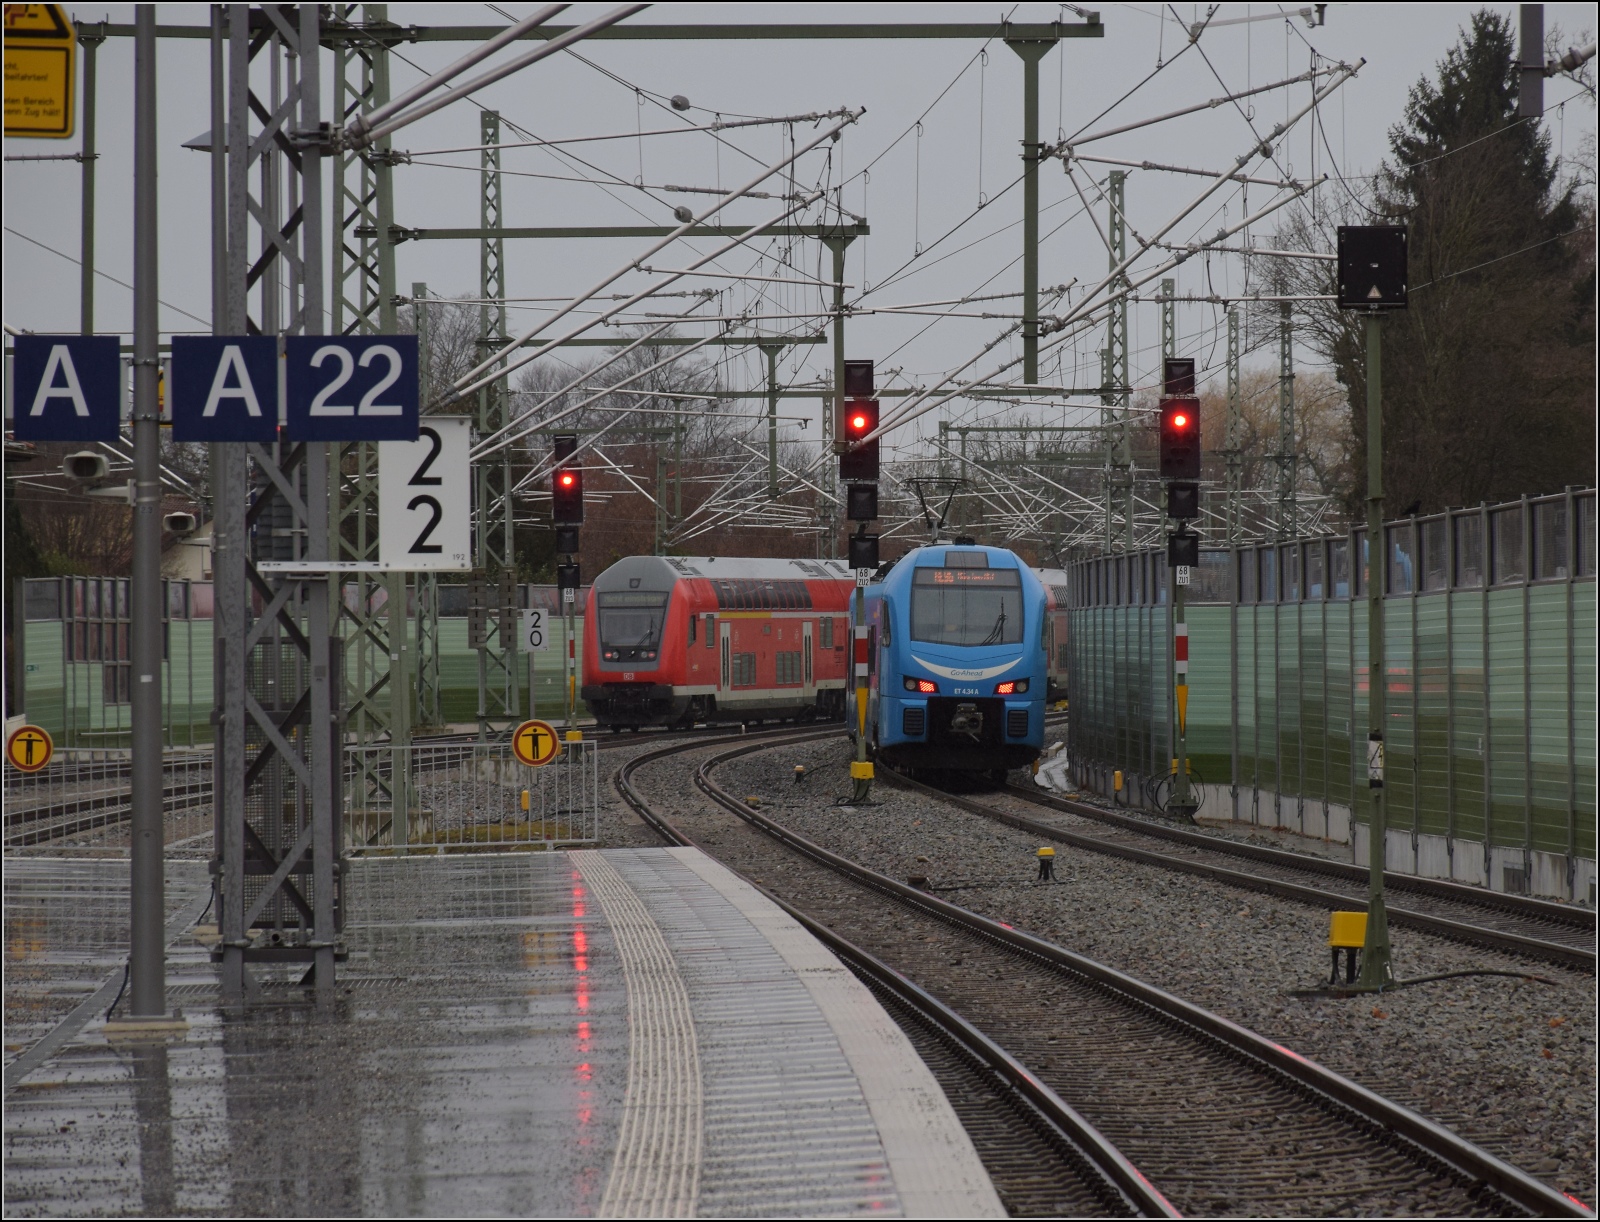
(827,633)
(630,626)
(962,606)
(711,632)
(692,622)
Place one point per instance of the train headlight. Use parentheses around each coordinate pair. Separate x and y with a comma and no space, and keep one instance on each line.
(1012,687)
(926,687)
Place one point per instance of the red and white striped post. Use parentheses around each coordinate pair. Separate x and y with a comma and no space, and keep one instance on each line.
(1182,801)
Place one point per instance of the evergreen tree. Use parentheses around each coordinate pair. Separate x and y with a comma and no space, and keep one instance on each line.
(1488,377)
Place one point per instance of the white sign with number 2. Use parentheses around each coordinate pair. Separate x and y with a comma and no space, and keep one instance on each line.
(425,498)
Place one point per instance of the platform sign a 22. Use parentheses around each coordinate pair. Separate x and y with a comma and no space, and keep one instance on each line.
(351,388)
(425,498)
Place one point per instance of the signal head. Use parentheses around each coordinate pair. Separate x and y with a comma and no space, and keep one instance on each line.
(861,461)
(1180,439)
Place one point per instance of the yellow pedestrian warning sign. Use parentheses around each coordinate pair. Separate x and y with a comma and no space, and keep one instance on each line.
(41,54)
(29,748)
(535,743)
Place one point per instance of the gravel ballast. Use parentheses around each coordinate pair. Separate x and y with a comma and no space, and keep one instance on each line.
(1507,1062)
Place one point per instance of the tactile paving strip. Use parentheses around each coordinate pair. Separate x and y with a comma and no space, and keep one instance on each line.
(787,1131)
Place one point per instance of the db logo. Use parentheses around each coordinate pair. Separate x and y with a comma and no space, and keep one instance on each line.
(627,676)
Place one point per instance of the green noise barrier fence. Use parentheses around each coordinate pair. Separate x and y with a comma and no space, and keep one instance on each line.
(1491,628)
(76,664)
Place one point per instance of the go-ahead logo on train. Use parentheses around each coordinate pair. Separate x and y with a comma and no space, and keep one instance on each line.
(29,748)
(535,743)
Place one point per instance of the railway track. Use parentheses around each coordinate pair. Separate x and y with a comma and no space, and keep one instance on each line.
(1218,1118)
(1535,929)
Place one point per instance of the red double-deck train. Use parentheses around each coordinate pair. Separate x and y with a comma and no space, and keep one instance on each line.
(676,640)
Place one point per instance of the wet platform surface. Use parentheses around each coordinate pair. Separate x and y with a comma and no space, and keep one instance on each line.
(620,1033)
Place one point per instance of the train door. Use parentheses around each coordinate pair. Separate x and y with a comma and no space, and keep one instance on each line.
(725,643)
(807,674)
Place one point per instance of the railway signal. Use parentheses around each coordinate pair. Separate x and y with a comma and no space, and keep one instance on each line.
(860,462)
(861,502)
(1180,439)
(1180,469)
(1372,279)
(863,552)
(1372,267)
(858,384)
(1183,500)
(566,483)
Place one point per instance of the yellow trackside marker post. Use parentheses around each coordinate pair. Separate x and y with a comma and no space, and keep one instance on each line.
(1183,707)
(861,769)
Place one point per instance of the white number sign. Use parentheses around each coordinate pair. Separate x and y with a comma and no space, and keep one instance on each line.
(1183,574)
(534,635)
(425,497)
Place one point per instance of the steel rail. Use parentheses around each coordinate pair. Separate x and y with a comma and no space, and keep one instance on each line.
(1439,888)
(1460,931)
(1467,1160)
(1122,1180)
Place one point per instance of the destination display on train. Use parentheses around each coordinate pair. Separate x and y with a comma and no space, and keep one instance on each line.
(967,577)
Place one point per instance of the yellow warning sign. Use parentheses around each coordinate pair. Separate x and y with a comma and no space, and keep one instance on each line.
(535,743)
(29,748)
(41,54)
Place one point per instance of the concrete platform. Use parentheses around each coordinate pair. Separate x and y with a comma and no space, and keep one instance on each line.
(626,1033)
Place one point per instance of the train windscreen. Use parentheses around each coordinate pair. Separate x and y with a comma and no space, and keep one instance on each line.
(630,625)
(966,606)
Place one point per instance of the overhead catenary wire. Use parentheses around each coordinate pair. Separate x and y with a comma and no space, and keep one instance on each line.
(812,117)
(370,133)
(465,384)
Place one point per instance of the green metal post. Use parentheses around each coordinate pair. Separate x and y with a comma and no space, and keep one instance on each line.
(90,38)
(1235,426)
(1116,374)
(499,685)
(1109,420)
(426,656)
(661,497)
(1031,52)
(677,462)
(1169,319)
(1377,971)
(1287,458)
(772,352)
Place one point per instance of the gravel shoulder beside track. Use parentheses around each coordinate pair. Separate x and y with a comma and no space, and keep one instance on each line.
(1508,1063)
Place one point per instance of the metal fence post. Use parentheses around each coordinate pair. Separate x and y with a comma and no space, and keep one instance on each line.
(147,953)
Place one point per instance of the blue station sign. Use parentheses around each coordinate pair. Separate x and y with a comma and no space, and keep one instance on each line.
(67,388)
(224,388)
(351,388)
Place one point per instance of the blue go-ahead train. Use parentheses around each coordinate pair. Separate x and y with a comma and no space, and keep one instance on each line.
(956,649)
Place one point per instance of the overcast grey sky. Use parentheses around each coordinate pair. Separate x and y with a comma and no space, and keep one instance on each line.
(922,188)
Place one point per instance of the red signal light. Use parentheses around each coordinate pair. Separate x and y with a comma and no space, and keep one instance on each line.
(858,457)
(1180,438)
(566,479)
